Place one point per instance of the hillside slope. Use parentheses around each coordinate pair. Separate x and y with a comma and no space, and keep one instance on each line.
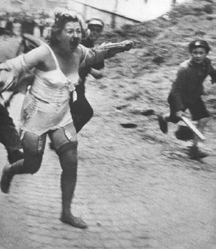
(138,82)
(160,46)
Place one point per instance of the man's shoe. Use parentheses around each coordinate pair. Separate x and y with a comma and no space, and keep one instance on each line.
(196,154)
(6,178)
(14,156)
(74,221)
(163,124)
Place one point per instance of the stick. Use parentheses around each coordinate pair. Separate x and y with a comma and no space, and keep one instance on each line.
(193,127)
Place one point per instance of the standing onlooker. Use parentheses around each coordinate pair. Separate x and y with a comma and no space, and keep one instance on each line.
(17,29)
(29,24)
(9,24)
(41,25)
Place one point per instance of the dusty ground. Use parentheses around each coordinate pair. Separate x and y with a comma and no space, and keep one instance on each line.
(137,83)
(136,184)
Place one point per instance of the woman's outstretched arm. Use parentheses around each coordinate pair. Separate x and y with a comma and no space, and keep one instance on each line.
(11,69)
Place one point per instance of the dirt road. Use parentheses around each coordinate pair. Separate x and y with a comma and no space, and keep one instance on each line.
(136,186)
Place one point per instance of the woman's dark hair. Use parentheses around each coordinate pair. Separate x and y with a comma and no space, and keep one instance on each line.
(60,20)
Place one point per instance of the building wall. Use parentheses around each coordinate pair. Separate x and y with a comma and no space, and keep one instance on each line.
(86,12)
(32,5)
(119,12)
(115,13)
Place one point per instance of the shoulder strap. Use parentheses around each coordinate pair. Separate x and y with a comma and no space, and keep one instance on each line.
(53,55)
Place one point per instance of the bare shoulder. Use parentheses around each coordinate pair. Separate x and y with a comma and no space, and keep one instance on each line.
(42,52)
(37,55)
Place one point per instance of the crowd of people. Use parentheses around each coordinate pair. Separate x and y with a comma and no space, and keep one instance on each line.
(54,72)
(34,24)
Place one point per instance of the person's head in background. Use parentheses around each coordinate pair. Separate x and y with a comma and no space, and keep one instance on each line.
(199,50)
(17,28)
(95,25)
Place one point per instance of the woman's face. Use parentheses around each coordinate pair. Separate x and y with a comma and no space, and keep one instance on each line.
(70,36)
(198,55)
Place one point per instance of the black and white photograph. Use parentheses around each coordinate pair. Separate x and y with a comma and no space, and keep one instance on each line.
(107,124)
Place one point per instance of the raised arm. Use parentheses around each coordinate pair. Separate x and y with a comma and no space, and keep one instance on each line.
(104,51)
(10,69)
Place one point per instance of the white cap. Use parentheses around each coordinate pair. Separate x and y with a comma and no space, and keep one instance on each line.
(95,21)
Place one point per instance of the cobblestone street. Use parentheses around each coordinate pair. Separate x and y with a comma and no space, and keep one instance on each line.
(129,193)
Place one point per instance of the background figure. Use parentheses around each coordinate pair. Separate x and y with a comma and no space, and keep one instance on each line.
(41,25)
(11,46)
(3,23)
(81,110)
(187,90)
(9,25)
(9,137)
(17,29)
(28,25)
